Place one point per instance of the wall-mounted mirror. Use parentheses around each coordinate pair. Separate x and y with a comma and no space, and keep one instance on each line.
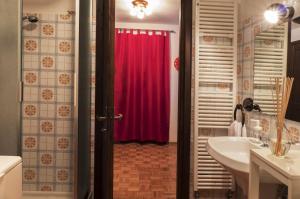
(293,112)
(270,61)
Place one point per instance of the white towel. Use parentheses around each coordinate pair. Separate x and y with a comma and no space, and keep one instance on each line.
(244,131)
(238,129)
(232,128)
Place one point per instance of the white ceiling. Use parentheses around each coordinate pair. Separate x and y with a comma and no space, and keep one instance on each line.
(164,12)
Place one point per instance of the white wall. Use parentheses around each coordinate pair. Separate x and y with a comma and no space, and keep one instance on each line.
(174,40)
(41,6)
(256,8)
(295,34)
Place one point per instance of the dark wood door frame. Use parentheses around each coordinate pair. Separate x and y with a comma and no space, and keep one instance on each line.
(104,51)
(104,102)
(184,104)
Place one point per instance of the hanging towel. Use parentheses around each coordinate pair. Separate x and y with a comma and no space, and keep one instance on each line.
(244,131)
(238,131)
(232,128)
(235,129)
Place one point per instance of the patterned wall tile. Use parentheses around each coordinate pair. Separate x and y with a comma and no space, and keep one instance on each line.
(46,159)
(64,63)
(46,187)
(48,62)
(30,158)
(31,61)
(31,94)
(48,67)
(30,175)
(31,30)
(31,45)
(65,47)
(47,78)
(46,143)
(64,95)
(46,176)
(47,111)
(65,17)
(48,30)
(63,143)
(64,79)
(47,127)
(63,159)
(64,111)
(30,110)
(47,95)
(30,126)
(63,127)
(30,77)
(48,46)
(30,142)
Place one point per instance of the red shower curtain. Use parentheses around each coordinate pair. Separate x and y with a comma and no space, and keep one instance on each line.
(142,85)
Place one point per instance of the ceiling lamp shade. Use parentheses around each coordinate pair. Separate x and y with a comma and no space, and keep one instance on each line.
(140,8)
(278,12)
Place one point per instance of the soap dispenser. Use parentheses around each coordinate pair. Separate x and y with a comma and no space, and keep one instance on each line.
(256,128)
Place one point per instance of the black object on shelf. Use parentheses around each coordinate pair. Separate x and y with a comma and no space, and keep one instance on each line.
(248,105)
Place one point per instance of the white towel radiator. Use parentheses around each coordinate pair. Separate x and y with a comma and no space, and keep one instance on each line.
(215,84)
(269,61)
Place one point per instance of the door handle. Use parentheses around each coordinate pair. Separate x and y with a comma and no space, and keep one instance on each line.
(118,117)
(104,118)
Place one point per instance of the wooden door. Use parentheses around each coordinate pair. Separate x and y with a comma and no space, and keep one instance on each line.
(103,177)
(104,103)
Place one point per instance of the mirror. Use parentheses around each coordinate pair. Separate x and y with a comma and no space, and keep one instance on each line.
(293,112)
(270,61)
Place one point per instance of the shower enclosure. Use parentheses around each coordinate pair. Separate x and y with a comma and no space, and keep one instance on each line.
(10,61)
(56,88)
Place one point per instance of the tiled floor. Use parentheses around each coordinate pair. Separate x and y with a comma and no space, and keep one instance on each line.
(144,171)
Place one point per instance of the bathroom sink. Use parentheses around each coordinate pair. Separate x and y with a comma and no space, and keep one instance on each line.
(232,152)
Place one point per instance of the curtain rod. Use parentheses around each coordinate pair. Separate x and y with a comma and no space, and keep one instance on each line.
(170,31)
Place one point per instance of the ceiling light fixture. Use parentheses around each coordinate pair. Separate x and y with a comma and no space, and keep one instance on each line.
(278,12)
(140,8)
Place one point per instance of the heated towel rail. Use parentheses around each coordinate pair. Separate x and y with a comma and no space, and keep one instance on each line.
(215,84)
(269,61)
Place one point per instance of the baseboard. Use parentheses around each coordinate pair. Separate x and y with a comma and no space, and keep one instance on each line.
(46,195)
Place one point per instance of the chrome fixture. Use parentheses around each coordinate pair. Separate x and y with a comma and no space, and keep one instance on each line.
(278,12)
(248,105)
(31,18)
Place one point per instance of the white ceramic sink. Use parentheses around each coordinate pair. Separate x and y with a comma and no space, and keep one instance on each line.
(232,152)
